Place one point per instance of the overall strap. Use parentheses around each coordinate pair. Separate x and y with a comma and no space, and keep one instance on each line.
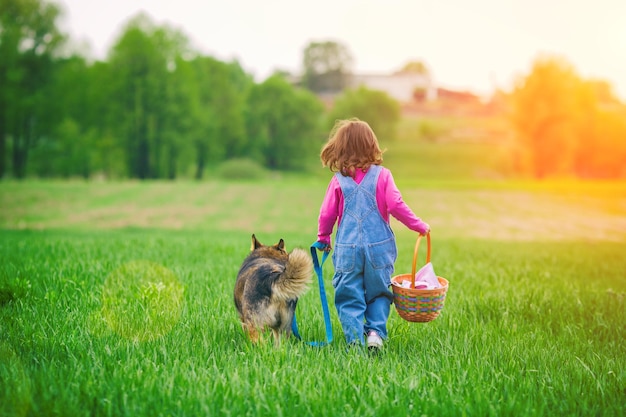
(348,183)
(368,184)
(371,178)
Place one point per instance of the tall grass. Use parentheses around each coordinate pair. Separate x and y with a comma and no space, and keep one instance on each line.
(528,328)
(116,298)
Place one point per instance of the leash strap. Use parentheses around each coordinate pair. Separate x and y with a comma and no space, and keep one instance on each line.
(318,271)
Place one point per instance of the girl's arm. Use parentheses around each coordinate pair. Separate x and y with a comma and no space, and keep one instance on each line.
(400,210)
(330,211)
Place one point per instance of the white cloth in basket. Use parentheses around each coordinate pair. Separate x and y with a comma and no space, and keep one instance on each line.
(427,278)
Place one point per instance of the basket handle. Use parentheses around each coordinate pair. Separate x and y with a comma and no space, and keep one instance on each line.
(428,252)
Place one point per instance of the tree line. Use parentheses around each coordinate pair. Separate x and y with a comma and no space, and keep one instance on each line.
(155,108)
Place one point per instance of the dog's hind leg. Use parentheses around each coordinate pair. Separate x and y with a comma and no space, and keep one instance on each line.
(277,336)
(253,332)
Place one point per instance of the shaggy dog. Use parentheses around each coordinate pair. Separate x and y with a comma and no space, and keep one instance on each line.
(268,285)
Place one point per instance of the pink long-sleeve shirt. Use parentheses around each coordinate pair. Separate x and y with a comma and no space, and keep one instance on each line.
(388,199)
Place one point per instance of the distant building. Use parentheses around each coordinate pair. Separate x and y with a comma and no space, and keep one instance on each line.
(458,96)
(405,87)
(402,86)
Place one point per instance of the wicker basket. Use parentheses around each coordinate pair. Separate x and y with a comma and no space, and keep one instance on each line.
(418,305)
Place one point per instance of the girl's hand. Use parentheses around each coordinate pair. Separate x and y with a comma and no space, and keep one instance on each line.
(427,231)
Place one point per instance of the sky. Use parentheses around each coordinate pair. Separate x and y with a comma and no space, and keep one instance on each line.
(468,45)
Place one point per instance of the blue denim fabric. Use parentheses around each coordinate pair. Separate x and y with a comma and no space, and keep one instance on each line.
(364,256)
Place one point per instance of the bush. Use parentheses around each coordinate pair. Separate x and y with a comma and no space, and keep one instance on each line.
(241,168)
(375,107)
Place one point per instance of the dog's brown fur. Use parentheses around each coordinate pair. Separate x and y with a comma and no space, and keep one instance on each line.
(268,285)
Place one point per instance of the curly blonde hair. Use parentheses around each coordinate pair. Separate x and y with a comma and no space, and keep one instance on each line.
(352,145)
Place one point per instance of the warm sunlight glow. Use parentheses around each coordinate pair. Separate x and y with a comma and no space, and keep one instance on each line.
(567,126)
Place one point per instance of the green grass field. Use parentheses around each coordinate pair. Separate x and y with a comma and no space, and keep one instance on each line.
(533,324)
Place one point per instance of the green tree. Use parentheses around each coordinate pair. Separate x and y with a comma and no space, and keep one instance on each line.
(218,110)
(178,123)
(327,67)
(66,152)
(63,148)
(100,118)
(28,40)
(283,123)
(375,107)
(143,58)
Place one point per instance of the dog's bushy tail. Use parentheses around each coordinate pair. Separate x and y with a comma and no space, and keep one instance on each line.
(295,280)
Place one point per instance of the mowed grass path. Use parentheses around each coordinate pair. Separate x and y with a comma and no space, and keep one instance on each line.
(485,210)
(533,323)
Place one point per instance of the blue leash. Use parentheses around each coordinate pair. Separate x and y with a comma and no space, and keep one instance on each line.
(318,270)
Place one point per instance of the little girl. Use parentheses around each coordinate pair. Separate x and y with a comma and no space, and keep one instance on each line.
(360,197)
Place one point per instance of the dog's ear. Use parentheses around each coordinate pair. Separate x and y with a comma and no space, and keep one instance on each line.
(281,245)
(255,243)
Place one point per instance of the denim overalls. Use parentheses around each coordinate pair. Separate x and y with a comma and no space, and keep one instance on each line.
(364,256)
